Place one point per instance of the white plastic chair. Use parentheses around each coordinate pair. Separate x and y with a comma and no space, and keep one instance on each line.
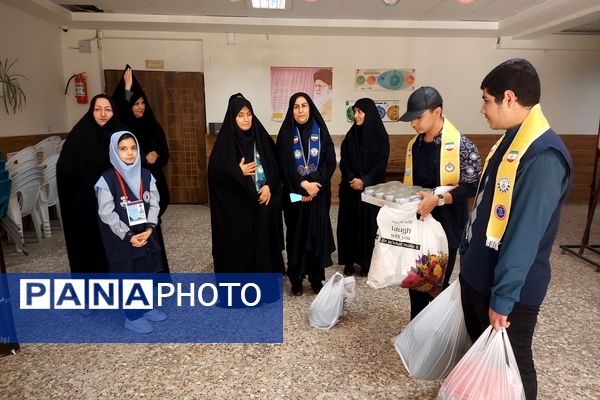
(60,145)
(47,147)
(49,193)
(24,198)
(12,231)
(21,161)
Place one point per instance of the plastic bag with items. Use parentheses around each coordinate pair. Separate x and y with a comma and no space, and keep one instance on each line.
(327,308)
(488,371)
(433,343)
(408,251)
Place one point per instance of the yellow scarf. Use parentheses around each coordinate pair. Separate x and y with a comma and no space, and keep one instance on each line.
(534,125)
(449,157)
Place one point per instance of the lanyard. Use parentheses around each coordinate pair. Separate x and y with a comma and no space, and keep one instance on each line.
(123,186)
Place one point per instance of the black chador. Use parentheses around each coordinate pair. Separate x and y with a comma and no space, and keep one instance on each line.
(151,137)
(246,236)
(309,236)
(364,155)
(83,158)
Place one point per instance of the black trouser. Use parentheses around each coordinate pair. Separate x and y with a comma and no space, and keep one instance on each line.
(523,319)
(420,300)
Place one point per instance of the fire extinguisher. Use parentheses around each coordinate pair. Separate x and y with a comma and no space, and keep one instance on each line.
(80,87)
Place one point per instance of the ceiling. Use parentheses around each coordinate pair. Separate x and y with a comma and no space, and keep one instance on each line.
(518,19)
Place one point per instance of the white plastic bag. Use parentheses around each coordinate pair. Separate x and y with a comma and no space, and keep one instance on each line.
(432,343)
(488,371)
(327,308)
(409,252)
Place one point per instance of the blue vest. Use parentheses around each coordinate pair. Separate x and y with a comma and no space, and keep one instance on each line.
(122,256)
(479,261)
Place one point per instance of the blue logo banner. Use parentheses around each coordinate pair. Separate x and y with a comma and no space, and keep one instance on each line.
(92,308)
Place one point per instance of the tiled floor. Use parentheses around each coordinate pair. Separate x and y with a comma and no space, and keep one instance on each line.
(355,360)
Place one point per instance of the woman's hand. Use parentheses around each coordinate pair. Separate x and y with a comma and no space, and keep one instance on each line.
(312,188)
(128,77)
(264,195)
(247,169)
(151,157)
(357,184)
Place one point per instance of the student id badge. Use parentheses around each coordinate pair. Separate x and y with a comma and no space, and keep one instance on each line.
(136,214)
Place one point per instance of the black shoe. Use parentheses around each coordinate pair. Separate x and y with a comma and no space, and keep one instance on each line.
(316,286)
(364,271)
(349,270)
(297,288)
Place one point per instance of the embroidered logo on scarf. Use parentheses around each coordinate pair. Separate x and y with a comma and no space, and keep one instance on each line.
(500,212)
(503,185)
(303,166)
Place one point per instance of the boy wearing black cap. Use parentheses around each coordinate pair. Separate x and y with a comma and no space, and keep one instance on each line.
(439,156)
(505,251)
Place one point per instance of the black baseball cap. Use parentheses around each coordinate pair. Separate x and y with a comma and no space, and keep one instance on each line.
(421,100)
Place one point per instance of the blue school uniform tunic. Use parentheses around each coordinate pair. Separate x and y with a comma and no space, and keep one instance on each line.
(122,256)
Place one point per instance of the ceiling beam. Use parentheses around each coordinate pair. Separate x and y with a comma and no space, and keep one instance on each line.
(551,16)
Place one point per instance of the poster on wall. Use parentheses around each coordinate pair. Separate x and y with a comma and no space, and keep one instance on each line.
(317,82)
(389,110)
(384,79)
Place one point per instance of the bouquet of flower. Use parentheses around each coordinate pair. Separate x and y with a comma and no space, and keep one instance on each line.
(428,273)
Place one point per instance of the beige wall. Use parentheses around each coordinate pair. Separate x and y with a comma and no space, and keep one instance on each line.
(180,52)
(37,46)
(456,66)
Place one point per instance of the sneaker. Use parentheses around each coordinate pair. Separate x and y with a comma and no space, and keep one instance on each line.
(155,315)
(140,325)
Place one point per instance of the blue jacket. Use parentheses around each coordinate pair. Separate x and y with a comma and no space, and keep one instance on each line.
(520,270)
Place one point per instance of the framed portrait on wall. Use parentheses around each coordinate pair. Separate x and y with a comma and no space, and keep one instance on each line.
(317,82)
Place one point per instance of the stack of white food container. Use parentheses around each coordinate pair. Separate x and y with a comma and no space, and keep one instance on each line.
(392,194)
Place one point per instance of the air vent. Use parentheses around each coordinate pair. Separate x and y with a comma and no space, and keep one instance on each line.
(90,8)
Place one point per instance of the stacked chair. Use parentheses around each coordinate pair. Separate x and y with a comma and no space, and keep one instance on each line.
(49,192)
(33,174)
(48,147)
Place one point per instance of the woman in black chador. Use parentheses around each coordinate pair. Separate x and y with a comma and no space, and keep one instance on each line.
(364,156)
(245,195)
(135,111)
(83,158)
(307,161)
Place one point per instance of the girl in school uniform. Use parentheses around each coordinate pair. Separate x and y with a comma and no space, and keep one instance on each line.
(128,213)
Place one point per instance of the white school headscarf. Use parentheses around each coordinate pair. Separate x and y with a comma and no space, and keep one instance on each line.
(131,173)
